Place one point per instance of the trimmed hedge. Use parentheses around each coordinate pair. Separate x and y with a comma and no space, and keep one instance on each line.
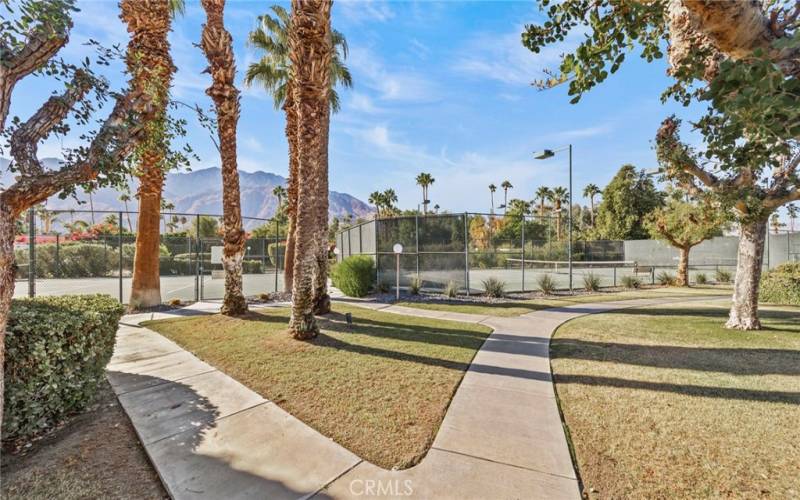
(57,349)
(354,275)
(782,285)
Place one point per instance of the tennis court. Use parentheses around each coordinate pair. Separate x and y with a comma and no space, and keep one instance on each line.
(172,287)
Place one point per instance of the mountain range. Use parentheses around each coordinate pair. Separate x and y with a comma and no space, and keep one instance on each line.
(199,191)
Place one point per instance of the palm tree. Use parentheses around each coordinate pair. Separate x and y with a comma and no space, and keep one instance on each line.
(543,193)
(792,211)
(125,198)
(436,208)
(424,180)
(151,68)
(775,222)
(558,197)
(274,72)
(217,45)
(311,53)
(590,191)
(492,189)
(506,185)
(376,198)
(166,206)
(389,199)
(280,193)
(89,191)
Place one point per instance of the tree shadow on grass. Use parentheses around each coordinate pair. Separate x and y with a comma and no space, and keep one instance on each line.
(737,361)
(444,334)
(688,390)
(328,341)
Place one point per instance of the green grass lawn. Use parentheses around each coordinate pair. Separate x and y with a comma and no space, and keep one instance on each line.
(380,389)
(663,402)
(519,307)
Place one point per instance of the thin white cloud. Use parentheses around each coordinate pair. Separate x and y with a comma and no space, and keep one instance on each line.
(579,133)
(253,144)
(391,85)
(361,11)
(363,103)
(503,58)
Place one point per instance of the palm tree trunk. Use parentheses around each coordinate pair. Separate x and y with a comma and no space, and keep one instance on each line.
(91,207)
(291,187)
(218,47)
(744,310)
(322,301)
(146,283)
(310,53)
(492,207)
(151,67)
(591,214)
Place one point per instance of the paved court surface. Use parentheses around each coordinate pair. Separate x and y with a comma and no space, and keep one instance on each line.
(172,287)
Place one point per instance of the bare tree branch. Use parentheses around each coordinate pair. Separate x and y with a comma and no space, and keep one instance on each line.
(42,45)
(25,140)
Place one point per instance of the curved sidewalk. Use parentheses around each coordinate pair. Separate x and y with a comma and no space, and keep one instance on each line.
(211,437)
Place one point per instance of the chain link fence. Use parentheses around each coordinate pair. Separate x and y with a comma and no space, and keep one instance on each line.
(79,251)
(468,249)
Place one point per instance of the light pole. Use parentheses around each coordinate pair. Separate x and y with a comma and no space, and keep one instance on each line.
(398,249)
(549,153)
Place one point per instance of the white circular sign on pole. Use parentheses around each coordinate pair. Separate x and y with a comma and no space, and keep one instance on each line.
(398,248)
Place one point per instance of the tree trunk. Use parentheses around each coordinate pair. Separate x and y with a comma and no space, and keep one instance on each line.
(7,271)
(310,53)
(322,301)
(146,284)
(218,47)
(291,188)
(591,214)
(744,310)
(151,67)
(683,267)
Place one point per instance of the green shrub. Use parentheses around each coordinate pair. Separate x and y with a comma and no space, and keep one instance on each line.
(591,282)
(415,286)
(57,349)
(701,278)
(277,253)
(451,290)
(494,287)
(666,279)
(546,284)
(782,285)
(722,276)
(631,282)
(354,275)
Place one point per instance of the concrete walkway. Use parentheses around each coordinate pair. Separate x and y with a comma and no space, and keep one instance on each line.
(211,437)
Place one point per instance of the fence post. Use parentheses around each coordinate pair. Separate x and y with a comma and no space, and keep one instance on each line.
(615,275)
(197,269)
(58,255)
(416,233)
(466,250)
(523,252)
(277,252)
(119,246)
(31,253)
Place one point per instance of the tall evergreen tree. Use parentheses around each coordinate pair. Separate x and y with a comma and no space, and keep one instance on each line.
(627,199)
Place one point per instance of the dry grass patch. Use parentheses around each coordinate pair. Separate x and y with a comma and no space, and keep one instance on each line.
(506,308)
(380,389)
(663,402)
(95,455)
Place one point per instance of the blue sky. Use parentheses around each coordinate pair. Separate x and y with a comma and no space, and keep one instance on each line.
(440,87)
